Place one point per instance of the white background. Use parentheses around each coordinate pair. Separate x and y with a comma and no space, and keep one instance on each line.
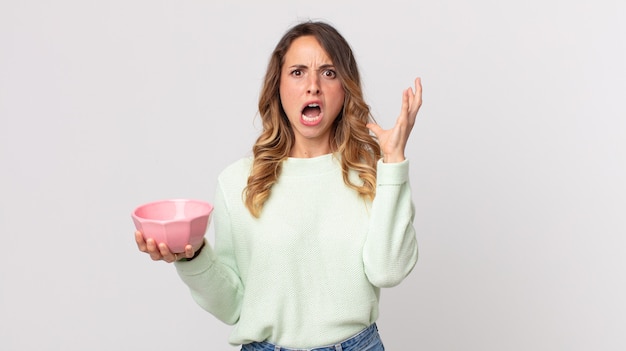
(518,163)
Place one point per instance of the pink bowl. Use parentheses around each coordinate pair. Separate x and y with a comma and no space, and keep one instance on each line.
(175,222)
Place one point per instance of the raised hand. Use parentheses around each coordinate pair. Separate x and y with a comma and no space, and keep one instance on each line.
(393,141)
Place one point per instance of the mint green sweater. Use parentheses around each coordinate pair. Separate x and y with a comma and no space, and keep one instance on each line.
(308,272)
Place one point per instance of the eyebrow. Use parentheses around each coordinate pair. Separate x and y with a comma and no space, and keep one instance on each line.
(322,67)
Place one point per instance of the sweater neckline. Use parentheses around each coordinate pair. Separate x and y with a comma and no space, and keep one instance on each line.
(297,167)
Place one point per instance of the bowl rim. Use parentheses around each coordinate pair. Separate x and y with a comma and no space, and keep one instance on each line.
(174,200)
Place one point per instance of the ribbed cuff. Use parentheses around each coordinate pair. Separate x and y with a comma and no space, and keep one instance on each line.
(392,173)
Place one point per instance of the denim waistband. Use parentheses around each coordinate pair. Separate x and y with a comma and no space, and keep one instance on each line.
(351,344)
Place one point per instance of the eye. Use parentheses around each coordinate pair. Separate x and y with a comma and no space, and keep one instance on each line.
(329,73)
(296,72)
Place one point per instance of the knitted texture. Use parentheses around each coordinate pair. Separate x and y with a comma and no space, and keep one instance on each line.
(308,272)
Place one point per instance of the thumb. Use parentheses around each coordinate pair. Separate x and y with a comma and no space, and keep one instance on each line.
(374,128)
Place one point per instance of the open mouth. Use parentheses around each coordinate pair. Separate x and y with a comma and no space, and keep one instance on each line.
(311,113)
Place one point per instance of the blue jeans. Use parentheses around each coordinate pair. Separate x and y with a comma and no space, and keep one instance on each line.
(366,340)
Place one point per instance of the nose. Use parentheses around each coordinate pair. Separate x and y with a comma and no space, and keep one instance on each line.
(314,85)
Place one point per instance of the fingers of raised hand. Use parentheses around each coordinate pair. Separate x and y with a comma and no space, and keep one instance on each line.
(406,118)
(416,99)
(411,102)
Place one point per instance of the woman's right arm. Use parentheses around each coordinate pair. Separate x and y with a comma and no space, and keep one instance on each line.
(212,276)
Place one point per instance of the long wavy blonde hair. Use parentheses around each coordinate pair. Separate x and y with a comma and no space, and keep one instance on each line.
(350,137)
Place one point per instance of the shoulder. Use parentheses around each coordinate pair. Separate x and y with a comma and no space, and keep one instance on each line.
(236,174)
(242,165)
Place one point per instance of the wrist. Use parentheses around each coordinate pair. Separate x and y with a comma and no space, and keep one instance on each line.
(393,158)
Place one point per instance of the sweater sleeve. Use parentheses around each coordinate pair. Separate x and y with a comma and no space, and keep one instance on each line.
(390,249)
(212,277)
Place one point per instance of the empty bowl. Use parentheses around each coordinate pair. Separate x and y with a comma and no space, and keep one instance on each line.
(176,222)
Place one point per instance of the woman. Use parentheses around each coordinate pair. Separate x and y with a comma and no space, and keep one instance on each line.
(310,228)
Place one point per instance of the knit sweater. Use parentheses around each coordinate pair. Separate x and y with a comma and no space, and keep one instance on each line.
(308,272)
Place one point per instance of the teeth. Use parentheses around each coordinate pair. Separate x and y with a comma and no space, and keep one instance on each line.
(313,118)
(309,119)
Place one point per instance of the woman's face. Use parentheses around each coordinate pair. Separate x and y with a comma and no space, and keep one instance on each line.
(312,96)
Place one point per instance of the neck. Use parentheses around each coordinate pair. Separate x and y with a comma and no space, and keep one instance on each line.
(308,151)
